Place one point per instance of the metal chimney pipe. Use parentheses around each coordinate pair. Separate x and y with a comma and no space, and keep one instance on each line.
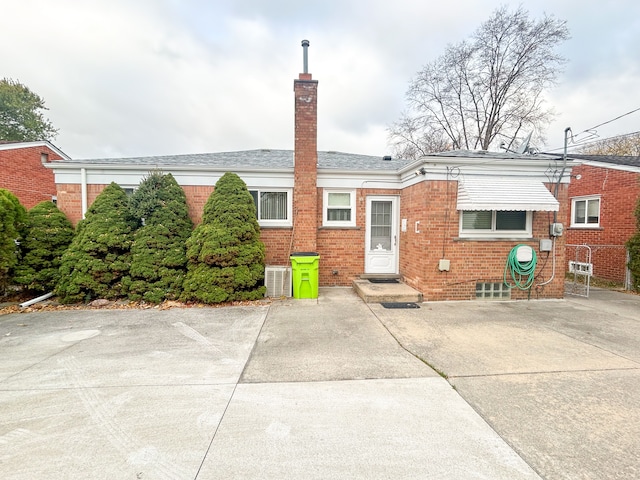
(305,56)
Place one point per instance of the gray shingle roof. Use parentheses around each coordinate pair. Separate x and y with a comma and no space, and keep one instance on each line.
(248,158)
(352,161)
(263,159)
(628,160)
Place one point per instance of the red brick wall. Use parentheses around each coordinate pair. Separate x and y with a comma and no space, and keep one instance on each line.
(619,192)
(305,197)
(278,245)
(433,203)
(22,173)
(277,240)
(197,196)
(342,250)
(70,199)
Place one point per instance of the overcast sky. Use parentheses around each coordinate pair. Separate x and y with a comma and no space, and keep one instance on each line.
(156,77)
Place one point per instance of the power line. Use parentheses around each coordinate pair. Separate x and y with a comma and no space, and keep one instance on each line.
(612,120)
(584,142)
(606,139)
(592,133)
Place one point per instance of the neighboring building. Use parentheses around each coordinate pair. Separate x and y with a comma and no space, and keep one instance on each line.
(23,173)
(603,195)
(445,223)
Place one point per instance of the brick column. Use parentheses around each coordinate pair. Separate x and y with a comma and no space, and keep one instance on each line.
(305,195)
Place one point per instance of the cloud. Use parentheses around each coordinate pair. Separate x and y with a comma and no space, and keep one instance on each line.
(594,101)
(156,77)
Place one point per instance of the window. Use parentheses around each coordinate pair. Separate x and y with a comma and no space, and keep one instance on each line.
(492,291)
(495,223)
(273,207)
(339,208)
(585,212)
(380,216)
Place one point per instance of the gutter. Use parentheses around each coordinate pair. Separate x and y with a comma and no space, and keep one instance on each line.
(83,190)
(59,165)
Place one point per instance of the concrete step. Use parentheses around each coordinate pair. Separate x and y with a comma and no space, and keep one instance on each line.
(385,292)
(366,276)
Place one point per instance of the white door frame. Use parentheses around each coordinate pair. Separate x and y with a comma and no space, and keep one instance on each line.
(381,259)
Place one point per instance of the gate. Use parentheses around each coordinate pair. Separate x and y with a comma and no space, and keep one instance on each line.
(582,269)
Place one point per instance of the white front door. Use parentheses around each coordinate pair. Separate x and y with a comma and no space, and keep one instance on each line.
(381,250)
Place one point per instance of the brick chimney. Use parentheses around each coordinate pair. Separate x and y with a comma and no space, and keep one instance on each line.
(305,161)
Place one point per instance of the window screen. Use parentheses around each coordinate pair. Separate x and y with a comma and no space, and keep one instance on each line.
(338,207)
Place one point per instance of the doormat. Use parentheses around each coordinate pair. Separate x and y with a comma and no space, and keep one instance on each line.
(383,280)
(400,305)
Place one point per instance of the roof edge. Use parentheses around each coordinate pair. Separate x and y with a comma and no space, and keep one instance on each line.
(40,143)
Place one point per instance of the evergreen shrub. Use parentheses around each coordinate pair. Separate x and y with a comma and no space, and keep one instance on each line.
(633,246)
(96,264)
(226,256)
(48,234)
(159,260)
(13,219)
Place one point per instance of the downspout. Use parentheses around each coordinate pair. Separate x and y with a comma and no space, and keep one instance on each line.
(83,190)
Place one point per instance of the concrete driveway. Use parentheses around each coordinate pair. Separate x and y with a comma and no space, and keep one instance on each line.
(297,389)
(326,389)
(129,394)
(558,380)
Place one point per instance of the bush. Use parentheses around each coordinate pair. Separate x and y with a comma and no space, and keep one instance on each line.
(226,256)
(13,219)
(159,258)
(633,246)
(96,264)
(48,234)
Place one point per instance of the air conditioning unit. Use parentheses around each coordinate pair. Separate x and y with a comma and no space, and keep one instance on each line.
(278,281)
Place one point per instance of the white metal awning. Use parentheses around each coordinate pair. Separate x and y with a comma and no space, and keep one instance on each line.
(501,193)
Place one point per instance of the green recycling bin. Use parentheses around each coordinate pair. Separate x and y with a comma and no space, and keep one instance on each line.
(304,274)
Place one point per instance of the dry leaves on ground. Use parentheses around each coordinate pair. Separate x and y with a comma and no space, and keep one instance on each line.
(102,304)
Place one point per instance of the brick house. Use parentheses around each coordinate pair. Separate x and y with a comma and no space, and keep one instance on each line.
(23,173)
(603,195)
(445,224)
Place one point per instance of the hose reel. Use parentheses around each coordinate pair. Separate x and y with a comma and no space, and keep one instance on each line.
(521,265)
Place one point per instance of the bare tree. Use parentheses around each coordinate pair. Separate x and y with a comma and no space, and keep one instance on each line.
(413,139)
(487,87)
(620,145)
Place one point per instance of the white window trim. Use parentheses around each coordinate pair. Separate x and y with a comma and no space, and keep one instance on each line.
(573,211)
(276,223)
(129,189)
(475,233)
(325,208)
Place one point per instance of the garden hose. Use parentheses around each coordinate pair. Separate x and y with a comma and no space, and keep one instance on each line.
(522,273)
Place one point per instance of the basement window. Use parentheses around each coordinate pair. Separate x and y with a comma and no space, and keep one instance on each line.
(339,208)
(273,207)
(492,291)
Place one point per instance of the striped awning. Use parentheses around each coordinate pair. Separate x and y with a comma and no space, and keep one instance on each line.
(499,193)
